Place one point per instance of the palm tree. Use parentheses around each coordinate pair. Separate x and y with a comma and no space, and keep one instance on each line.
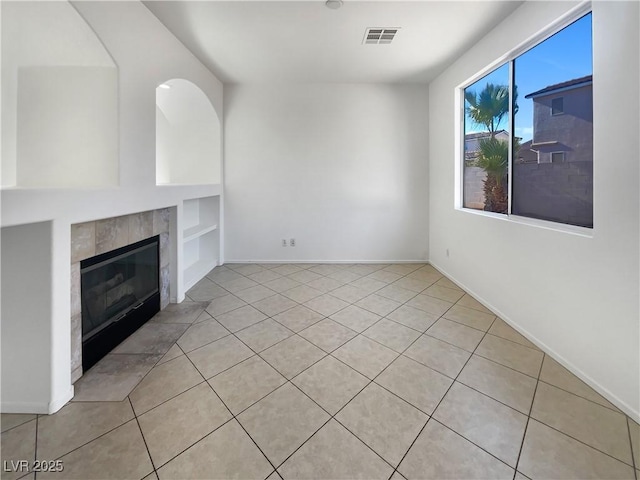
(493,158)
(488,108)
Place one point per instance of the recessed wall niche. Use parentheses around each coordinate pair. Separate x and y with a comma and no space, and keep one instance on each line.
(60,100)
(187,135)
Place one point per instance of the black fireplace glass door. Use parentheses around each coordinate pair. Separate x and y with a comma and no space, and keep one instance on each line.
(113,287)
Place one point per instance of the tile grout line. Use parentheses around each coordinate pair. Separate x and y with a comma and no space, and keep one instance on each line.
(633,457)
(323,275)
(332,416)
(382,317)
(344,284)
(255,353)
(97,437)
(366,386)
(526,426)
(434,419)
(471,356)
(304,393)
(370,381)
(498,363)
(287,381)
(23,423)
(533,399)
(582,442)
(171,398)
(483,331)
(357,333)
(268,317)
(136,385)
(463,324)
(437,405)
(233,417)
(157,363)
(35,451)
(323,293)
(567,434)
(160,359)
(580,396)
(534,348)
(494,399)
(153,465)
(324,318)
(516,370)
(154,366)
(266,395)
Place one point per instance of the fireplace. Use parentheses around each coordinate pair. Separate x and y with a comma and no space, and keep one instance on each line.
(119,293)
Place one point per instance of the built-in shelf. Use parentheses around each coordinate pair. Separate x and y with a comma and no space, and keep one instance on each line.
(200,238)
(197,231)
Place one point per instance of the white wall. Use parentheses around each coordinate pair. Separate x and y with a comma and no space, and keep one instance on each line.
(576,296)
(146,55)
(49,35)
(26,262)
(67,126)
(341,168)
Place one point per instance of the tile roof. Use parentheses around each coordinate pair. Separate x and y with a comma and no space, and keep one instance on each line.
(562,85)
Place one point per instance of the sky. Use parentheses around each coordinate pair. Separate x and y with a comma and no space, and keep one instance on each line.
(564,56)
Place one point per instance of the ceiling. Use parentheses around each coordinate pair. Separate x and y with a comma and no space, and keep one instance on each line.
(306,42)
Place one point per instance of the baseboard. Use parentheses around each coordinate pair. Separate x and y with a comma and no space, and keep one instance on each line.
(24,407)
(179,299)
(337,262)
(61,401)
(43,408)
(622,405)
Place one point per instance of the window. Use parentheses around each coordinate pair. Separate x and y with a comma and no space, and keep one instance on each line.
(486,142)
(528,132)
(557,106)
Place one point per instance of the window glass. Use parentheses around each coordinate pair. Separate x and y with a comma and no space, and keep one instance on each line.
(546,95)
(486,142)
(553,145)
(557,106)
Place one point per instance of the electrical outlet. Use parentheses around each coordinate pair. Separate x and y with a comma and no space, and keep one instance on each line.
(292,242)
(284,242)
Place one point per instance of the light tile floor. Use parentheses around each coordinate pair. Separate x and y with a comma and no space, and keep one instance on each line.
(328,371)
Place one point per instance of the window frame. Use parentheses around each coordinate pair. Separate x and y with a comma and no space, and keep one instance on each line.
(554,153)
(554,27)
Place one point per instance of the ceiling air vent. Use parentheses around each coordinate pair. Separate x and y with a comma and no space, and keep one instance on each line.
(379,35)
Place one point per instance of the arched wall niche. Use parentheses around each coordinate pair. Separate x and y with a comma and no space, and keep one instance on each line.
(59,99)
(188,135)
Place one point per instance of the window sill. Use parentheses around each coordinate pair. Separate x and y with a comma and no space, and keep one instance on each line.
(533,222)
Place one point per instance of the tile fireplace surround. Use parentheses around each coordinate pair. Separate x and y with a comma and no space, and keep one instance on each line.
(89,239)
